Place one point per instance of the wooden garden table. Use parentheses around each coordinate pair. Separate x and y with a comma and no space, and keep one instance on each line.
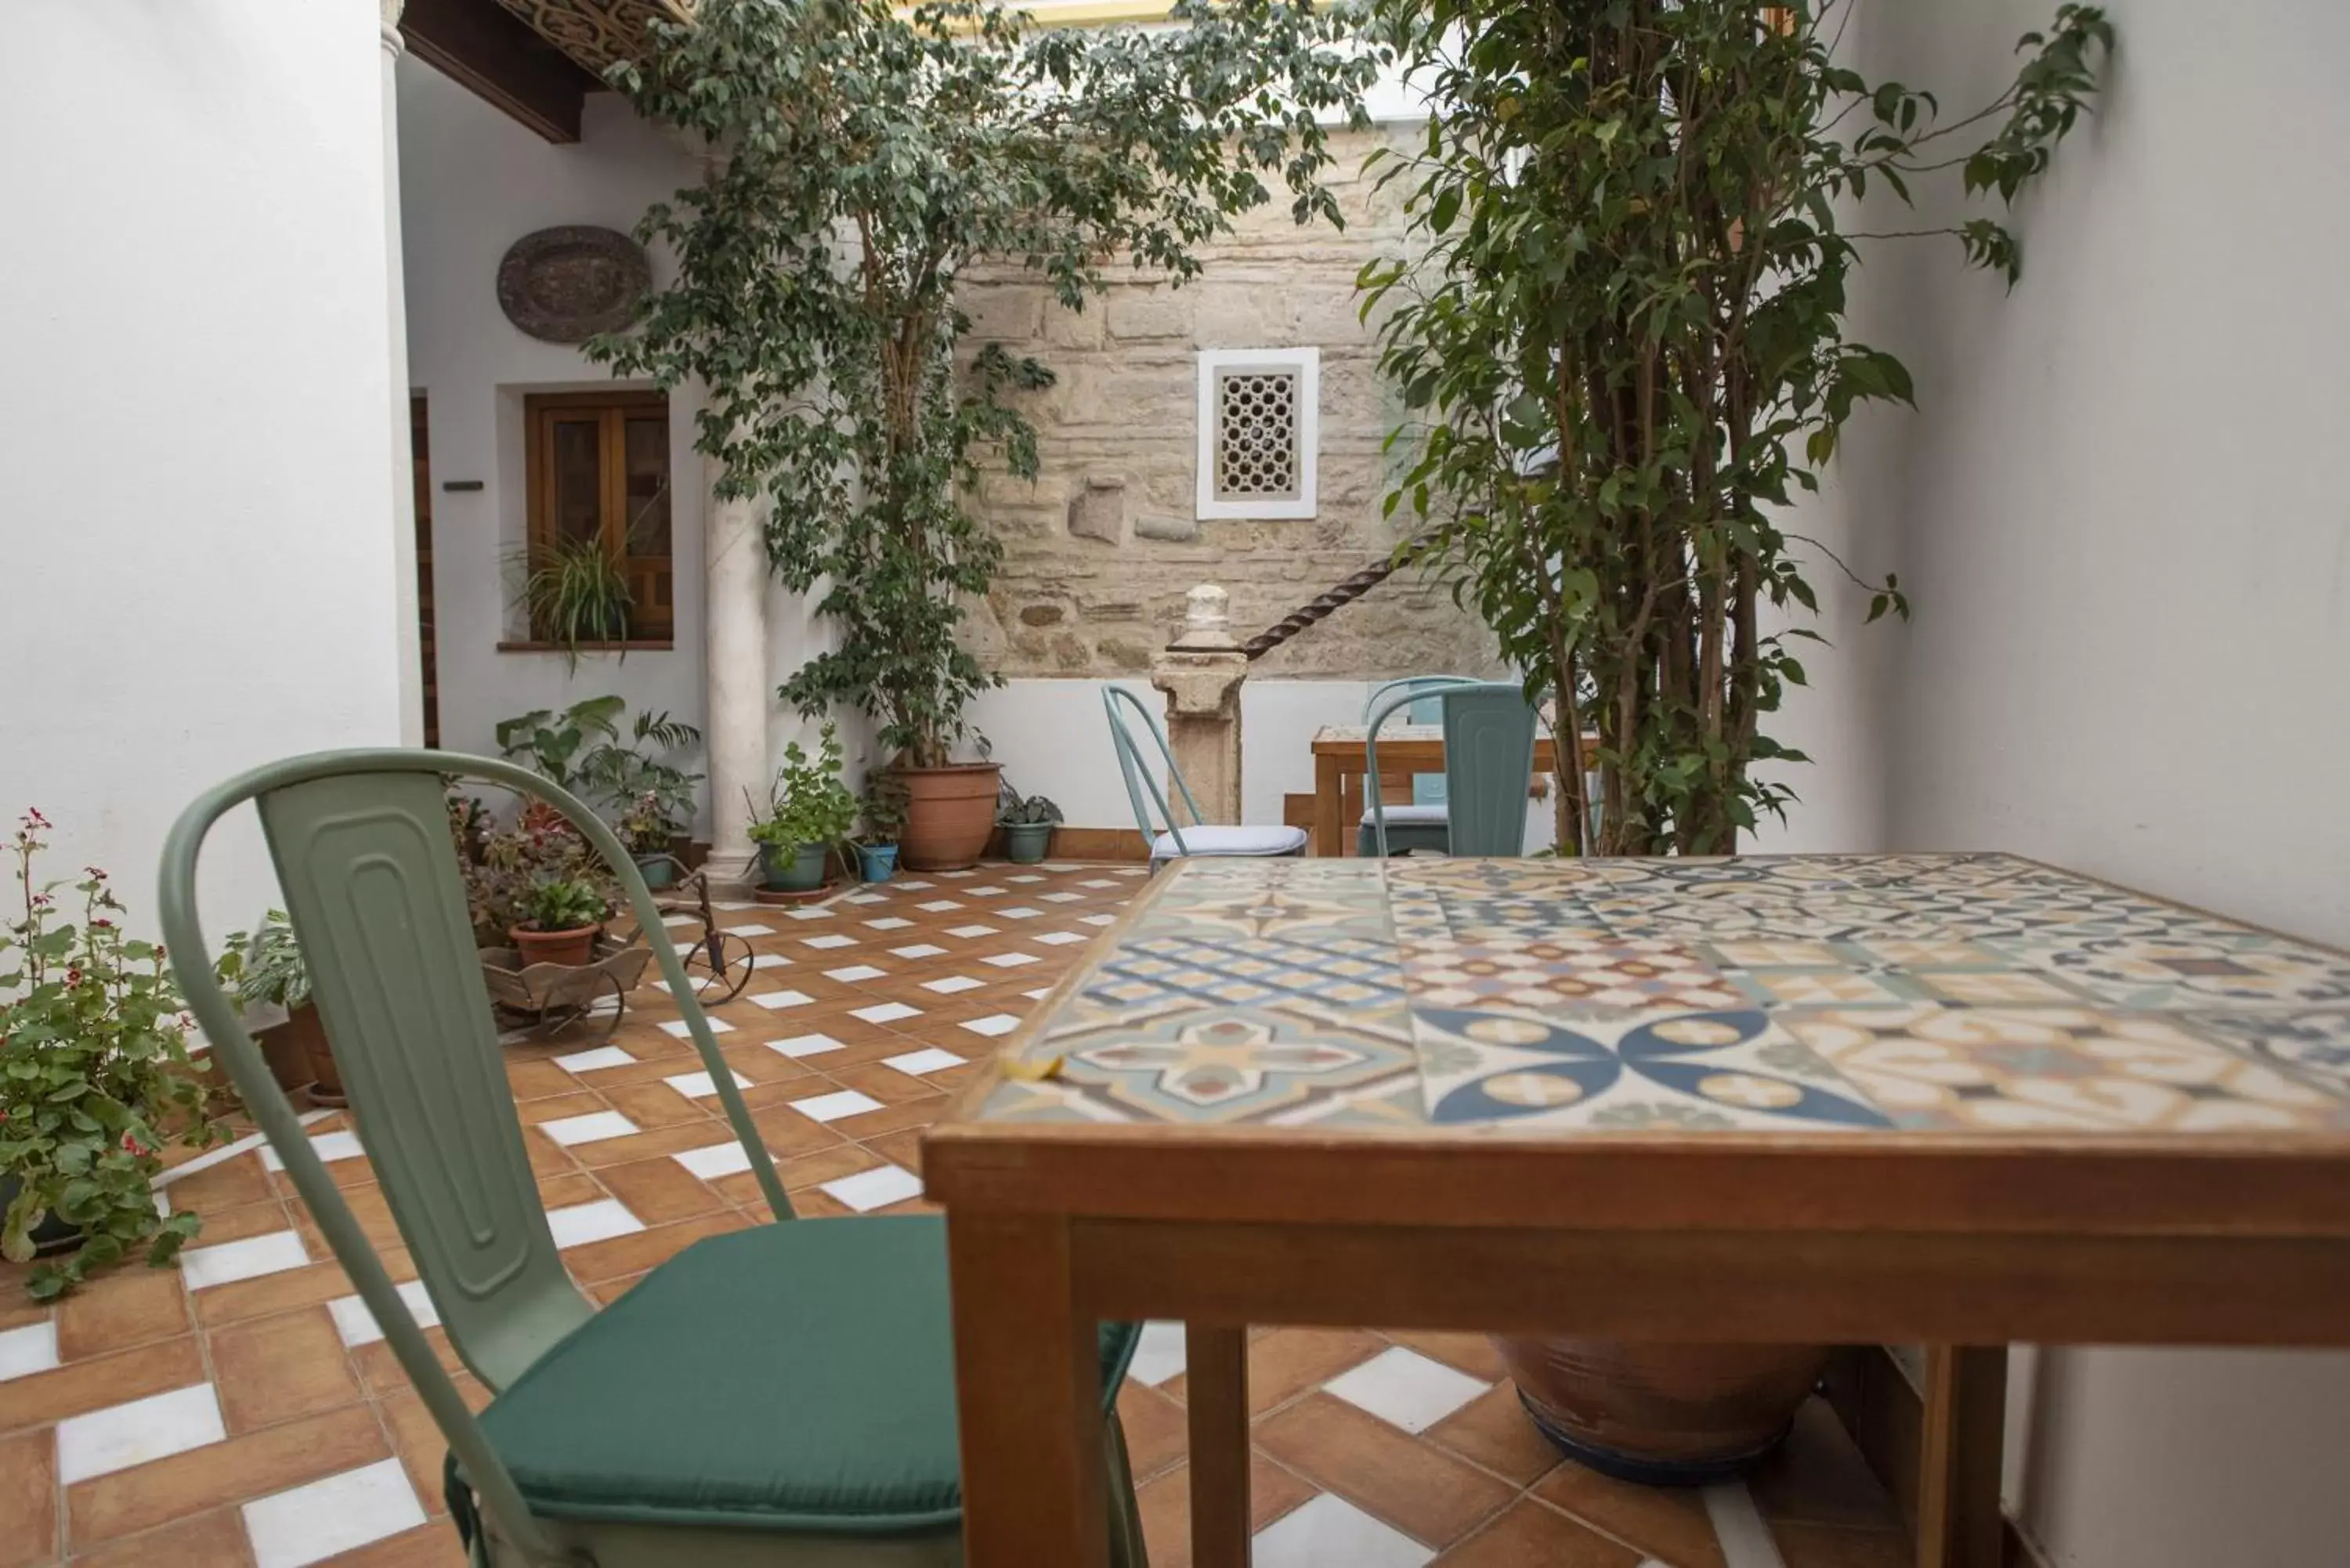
(1956,1099)
(1340,761)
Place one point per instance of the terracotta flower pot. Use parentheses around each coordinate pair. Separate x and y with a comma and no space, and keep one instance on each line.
(574,947)
(950,816)
(306,1041)
(1668,1415)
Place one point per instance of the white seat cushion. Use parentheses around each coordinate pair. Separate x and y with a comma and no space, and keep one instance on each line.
(1215,840)
(1411,815)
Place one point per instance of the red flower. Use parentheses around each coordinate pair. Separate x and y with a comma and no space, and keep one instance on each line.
(132,1146)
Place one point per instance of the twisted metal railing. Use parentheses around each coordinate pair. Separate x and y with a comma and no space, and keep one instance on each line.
(1337,597)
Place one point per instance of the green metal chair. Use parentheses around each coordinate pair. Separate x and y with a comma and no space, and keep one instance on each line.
(1214,839)
(1489,755)
(784,1395)
(1421,824)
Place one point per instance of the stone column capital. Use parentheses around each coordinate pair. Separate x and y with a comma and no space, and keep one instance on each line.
(1201,683)
(393,43)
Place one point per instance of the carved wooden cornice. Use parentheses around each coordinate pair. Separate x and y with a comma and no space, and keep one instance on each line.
(596,33)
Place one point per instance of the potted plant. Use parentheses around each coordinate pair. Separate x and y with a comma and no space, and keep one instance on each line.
(95,1077)
(851,392)
(576,594)
(1028,821)
(647,829)
(510,863)
(885,819)
(561,918)
(808,811)
(264,967)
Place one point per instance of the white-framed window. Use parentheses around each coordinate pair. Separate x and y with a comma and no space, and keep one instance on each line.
(1260,426)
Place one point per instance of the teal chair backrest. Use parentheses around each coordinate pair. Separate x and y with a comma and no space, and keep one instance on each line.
(362,846)
(1426,789)
(1489,759)
(1135,768)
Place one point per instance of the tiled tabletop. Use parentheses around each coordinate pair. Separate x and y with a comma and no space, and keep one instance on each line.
(1968,993)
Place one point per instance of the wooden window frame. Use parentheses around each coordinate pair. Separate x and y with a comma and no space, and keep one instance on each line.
(541,412)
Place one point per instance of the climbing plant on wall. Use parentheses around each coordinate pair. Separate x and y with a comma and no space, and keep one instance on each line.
(861,159)
(1625,349)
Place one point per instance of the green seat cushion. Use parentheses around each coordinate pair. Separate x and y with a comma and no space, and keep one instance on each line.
(797,1376)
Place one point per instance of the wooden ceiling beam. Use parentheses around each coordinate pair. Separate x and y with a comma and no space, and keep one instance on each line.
(499,58)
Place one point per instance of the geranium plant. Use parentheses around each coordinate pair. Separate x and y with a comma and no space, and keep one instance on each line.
(807,803)
(95,1076)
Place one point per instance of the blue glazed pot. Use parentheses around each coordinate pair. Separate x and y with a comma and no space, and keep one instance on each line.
(659,870)
(877,862)
(798,868)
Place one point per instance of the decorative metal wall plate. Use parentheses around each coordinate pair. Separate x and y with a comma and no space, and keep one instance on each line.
(566,285)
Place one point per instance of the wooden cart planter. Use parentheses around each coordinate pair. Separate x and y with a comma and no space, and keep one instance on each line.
(548,998)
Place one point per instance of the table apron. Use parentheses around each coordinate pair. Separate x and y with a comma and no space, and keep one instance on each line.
(1776,1287)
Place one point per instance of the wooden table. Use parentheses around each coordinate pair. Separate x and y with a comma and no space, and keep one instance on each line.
(1961,1100)
(1341,759)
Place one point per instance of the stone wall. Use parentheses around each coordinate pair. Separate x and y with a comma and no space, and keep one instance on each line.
(1101,549)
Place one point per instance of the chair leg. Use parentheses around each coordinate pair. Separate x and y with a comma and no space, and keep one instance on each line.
(1126,1548)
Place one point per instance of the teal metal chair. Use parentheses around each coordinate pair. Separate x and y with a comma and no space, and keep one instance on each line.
(1489,756)
(1213,839)
(1421,824)
(780,1395)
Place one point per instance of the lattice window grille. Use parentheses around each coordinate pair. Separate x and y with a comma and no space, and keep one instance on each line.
(1256,435)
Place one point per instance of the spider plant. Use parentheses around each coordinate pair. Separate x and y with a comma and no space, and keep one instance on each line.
(575,594)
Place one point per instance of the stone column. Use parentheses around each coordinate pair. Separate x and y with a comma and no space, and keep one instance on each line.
(1202,672)
(734,642)
(406,641)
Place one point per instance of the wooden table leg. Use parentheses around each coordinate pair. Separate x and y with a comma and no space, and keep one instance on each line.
(1028,1387)
(1959,1463)
(1215,1392)
(1327,826)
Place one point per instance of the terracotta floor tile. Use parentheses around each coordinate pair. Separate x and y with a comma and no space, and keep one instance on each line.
(1471,1352)
(673,1139)
(1287,1362)
(320,1281)
(1829,1546)
(1529,1536)
(91,1385)
(122,1308)
(918,1113)
(604,1293)
(432,1545)
(656,1104)
(885,1084)
(17,1308)
(1155,1433)
(1417,1487)
(789,1133)
(1664,1521)
(1818,1477)
(243,1220)
(419,1443)
(28,1499)
(242,1468)
(214,1540)
(659,1190)
(579,1102)
(808,1170)
(643,1249)
(546,1157)
(540,1080)
(903,1148)
(223,1186)
(274,1369)
(762,1066)
(1493,1430)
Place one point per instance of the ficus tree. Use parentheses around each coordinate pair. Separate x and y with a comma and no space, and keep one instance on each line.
(1624,348)
(861,161)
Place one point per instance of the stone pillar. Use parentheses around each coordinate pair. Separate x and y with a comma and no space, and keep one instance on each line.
(734,641)
(1202,672)
(407,640)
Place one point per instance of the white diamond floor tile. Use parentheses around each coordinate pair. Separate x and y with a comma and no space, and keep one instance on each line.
(683,1030)
(680,920)
(699,1085)
(918,950)
(1010,960)
(876,1189)
(719,1159)
(989,892)
(800,1045)
(201,1268)
(593,1128)
(1059,939)
(930,1059)
(854,974)
(1020,912)
(1746,1540)
(1096,882)
(993,1025)
(328,1146)
(885,1012)
(101,1442)
(1159,1354)
(1025,877)
(732,906)
(969,931)
(27,1350)
(772,1000)
(956,876)
(914,886)
(356,1325)
(947,985)
(585,1223)
(832,1107)
(594,1060)
(1326,1531)
(828,941)
(865,899)
(938,906)
(889,923)
(1097,919)
(1405,1390)
(1039,994)
(1063,897)
(753,930)
(323,1519)
(770,960)
(811,914)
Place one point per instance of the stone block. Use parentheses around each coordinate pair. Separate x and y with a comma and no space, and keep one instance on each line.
(1148,313)
(1010,314)
(1166,530)
(1097,510)
(1066,328)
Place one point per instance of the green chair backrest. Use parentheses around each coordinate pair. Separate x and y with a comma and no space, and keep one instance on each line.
(1135,770)
(362,846)
(1426,789)
(1489,757)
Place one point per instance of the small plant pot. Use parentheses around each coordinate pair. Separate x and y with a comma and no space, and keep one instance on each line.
(798,868)
(52,1235)
(302,1033)
(877,862)
(658,871)
(1027,842)
(950,812)
(574,947)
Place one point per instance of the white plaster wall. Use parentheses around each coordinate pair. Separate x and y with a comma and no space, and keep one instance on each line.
(474,181)
(2130,555)
(197,557)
